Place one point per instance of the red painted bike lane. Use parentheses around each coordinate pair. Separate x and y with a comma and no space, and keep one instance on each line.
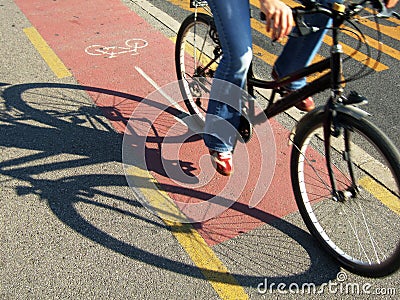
(71,27)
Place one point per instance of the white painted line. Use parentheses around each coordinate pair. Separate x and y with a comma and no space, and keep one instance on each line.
(184,118)
(159,89)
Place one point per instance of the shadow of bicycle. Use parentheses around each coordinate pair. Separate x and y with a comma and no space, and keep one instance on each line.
(59,148)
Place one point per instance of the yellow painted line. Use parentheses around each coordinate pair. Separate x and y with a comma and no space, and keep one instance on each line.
(192,242)
(379,46)
(270,59)
(264,55)
(391,31)
(361,57)
(201,57)
(260,27)
(52,60)
(210,265)
(380,192)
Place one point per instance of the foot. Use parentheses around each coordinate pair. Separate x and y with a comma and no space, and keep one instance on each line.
(222,161)
(305,105)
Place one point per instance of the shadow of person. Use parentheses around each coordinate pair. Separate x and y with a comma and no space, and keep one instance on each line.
(62,150)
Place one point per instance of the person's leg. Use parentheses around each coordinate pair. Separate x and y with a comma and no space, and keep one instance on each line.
(223,114)
(300,51)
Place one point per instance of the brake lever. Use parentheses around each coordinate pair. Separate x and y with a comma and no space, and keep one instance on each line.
(302,26)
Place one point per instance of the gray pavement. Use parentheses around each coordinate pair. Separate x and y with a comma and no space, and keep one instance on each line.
(72,228)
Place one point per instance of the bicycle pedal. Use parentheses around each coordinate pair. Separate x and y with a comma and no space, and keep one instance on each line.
(245,129)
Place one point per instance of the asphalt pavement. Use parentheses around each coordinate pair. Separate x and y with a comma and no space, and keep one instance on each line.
(73,224)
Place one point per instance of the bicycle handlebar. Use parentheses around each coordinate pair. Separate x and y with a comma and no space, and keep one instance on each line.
(354,8)
(312,7)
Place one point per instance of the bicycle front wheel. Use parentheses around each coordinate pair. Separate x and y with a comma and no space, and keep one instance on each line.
(197,55)
(357,221)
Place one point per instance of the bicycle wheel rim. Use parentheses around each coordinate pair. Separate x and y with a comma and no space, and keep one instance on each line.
(360,232)
(197,57)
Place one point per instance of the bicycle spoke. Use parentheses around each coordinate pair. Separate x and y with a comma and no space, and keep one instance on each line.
(197,55)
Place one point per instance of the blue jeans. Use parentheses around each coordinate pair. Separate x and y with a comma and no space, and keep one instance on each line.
(300,51)
(234,31)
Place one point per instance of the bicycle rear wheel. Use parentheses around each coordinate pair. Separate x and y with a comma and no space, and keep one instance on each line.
(360,227)
(197,54)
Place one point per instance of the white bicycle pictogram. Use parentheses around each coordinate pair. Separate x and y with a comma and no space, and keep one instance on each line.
(132,46)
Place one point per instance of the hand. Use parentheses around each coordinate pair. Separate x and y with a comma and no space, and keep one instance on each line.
(390,3)
(279,17)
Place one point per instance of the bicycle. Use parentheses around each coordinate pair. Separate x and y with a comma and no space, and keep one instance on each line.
(351,209)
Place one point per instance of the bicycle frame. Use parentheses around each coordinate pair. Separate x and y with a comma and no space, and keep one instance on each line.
(276,107)
(331,80)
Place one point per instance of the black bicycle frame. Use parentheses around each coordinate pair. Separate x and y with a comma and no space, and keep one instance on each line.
(312,88)
(331,80)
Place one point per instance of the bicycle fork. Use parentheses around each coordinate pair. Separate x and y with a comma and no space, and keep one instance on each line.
(332,126)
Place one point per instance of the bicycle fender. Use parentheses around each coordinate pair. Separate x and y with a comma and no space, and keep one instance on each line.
(312,114)
(351,110)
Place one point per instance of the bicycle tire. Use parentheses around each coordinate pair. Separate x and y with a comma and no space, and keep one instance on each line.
(196,47)
(362,231)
